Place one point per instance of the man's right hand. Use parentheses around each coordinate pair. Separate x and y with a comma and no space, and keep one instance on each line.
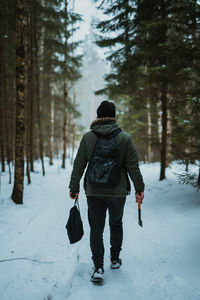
(73,195)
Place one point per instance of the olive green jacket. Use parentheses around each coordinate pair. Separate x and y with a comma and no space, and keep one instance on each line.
(128,157)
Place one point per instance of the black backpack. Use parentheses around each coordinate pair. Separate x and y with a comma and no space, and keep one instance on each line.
(104,169)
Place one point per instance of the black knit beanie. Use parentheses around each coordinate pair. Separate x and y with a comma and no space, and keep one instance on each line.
(106,109)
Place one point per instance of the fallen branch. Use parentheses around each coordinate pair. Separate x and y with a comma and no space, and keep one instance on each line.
(26,258)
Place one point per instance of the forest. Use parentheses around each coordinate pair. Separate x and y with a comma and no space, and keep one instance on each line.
(59,59)
(152,49)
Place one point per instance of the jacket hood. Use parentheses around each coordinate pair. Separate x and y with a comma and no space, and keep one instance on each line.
(104,126)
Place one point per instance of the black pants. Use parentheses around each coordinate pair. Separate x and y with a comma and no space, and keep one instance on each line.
(97,207)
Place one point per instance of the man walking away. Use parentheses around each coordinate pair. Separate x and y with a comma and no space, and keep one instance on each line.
(109,154)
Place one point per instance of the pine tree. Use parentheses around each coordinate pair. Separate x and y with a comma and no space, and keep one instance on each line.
(159,63)
(40,90)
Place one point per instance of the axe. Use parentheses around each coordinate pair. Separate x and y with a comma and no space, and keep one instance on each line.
(139,213)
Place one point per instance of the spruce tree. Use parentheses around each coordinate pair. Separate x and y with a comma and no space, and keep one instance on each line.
(17,194)
(154,72)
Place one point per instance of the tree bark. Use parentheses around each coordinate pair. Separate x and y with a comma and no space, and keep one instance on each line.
(148,106)
(159,122)
(149,130)
(169,134)
(31,89)
(65,91)
(1,115)
(2,149)
(38,89)
(73,141)
(29,83)
(164,89)
(164,133)
(64,139)
(73,127)
(74,104)
(17,194)
(51,131)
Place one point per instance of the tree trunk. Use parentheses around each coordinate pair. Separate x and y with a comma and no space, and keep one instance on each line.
(38,89)
(29,83)
(74,103)
(149,130)
(169,131)
(159,121)
(31,89)
(2,146)
(73,125)
(65,91)
(187,145)
(47,70)
(1,114)
(51,131)
(186,165)
(164,88)
(73,141)
(164,133)
(17,194)
(169,138)
(1,119)
(64,139)
(28,139)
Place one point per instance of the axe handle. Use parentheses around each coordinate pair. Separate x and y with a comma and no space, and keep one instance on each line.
(139,215)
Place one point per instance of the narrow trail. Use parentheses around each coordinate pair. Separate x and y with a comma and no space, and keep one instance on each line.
(160,260)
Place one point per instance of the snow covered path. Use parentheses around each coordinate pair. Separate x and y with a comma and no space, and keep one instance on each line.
(160,261)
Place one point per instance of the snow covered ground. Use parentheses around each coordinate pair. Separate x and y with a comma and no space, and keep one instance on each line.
(160,261)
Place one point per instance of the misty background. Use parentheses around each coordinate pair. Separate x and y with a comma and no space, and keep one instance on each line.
(94,65)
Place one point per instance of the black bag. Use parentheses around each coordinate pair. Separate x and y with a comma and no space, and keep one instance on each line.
(74,224)
(104,169)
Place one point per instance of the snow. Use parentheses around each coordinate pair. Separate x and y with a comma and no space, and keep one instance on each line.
(160,260)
